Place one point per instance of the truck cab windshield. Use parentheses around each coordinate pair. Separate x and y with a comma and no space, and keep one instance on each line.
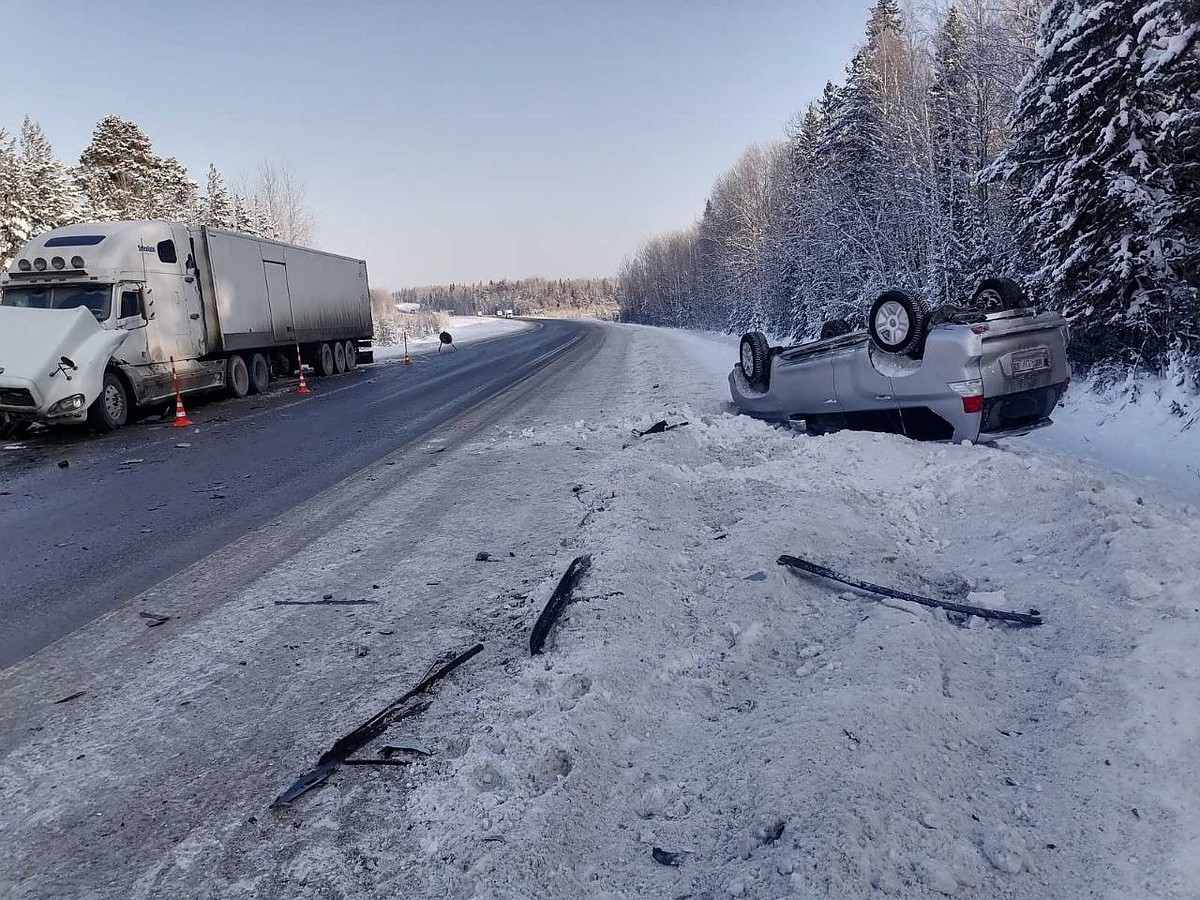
(96,297)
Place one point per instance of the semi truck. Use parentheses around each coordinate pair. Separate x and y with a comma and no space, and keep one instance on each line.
(97,321)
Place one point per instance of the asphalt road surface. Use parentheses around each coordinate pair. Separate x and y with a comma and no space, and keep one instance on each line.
(138,505)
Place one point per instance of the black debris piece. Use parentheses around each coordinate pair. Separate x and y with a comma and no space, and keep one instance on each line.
(70,697)
(558,602)
(659,427)
(1033,617)
(377,762)
(370,729)
(666,857)
(153,620)
(64,463)
(404,746)
(482,556)
(327,597)
(773,832)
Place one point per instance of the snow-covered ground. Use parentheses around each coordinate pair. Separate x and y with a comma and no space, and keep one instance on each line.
(787,737)
(464,329)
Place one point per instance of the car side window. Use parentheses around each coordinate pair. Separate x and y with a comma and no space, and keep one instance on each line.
(166,252)
(131,304)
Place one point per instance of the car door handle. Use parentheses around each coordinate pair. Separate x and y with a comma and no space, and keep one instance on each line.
(830,401)
(883,396)
(194,316)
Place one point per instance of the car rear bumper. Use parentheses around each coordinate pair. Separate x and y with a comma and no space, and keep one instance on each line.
(1019,412)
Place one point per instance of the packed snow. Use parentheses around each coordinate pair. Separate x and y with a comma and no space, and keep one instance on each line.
(463,329)
(762,733)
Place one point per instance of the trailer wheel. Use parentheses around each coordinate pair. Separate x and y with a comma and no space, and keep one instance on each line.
(110,410)
(351,356)
(237,378)
(260,374)
(339,358)
(324,361)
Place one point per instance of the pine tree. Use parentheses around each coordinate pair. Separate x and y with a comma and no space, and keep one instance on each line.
(1101,211)
(118,169)
(51,195)
(953,235)
(217,208)
(173,194)
(15,216)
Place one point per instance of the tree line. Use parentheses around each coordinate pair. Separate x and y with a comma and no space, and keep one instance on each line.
(562,297)
(120,176)
(1055,142)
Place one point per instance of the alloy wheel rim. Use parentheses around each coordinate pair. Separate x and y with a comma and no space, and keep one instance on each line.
(114,402)
(747,360)
(892,323)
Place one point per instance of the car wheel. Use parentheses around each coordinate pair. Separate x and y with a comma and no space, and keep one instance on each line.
(324,366)
(755,359)
(260,374)
(339,358)
(998,295)
(10,428)
(237,377)
(898,323)
(110,410)
(351,356)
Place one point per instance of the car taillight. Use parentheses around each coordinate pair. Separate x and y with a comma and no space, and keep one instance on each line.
(981,329)
(971,393)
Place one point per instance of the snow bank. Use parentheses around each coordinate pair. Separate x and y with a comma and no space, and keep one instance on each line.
(1145,427)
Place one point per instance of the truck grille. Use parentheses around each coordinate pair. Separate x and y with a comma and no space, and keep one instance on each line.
(1020,408)
(16,397)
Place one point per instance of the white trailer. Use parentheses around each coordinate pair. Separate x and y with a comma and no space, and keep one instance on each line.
(92,316)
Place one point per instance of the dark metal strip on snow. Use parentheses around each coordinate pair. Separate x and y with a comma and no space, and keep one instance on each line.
(1033,617)
(558,602)
(369,730)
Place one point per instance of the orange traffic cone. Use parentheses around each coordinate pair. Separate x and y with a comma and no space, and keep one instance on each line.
(407,361)
(300,364)
(181,419)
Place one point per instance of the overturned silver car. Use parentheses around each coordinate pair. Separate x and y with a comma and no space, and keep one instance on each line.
(993,368)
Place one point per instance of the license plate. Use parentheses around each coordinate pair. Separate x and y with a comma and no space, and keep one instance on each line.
(1031,362)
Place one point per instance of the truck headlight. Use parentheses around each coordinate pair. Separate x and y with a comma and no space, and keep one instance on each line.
(71,404)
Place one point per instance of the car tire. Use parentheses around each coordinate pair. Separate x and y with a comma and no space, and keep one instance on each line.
(12,429)
(351,356)
(323,364)
(110,410)
(237,377)
(898,323)
(260,374)
(339,358)
(999,295)
(754,356)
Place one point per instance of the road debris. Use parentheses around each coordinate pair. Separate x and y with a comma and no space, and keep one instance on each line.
(405,745)
(558,601)
(153,620)
(370,729)
(658,428)
(482,556)
(666,857)
(1033,617)
(64,463)
(70,697)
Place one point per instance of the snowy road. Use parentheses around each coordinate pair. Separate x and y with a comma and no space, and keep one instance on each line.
(140,504)
(697,698)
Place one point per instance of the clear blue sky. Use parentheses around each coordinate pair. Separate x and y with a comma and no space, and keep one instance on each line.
(443,141)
